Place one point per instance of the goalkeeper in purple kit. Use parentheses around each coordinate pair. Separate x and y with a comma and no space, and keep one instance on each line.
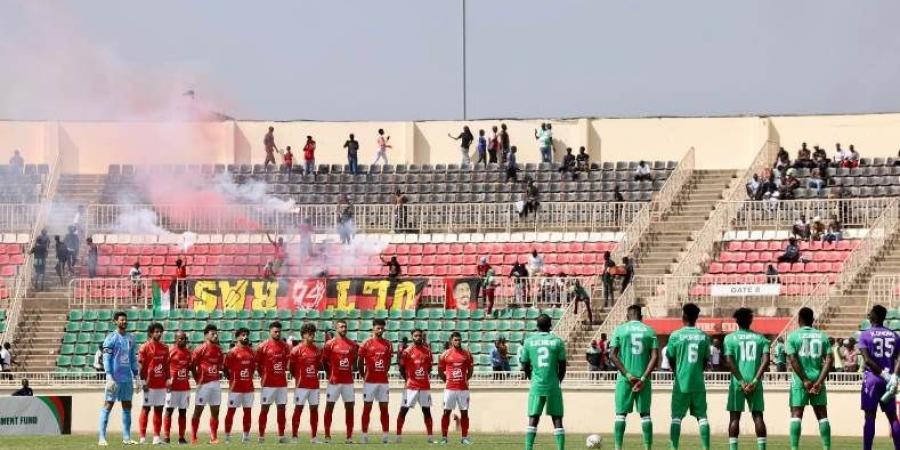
(879,348)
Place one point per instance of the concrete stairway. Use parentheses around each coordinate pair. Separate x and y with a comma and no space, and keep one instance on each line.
(661,246)
(80,189)
(848,309)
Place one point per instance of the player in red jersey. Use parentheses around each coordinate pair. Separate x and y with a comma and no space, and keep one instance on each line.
(339,354)
(415,367)
(272,363)
(240,363)
(179,386)
(304,363)
(374,362)
(154,360)
(206,363)
(455,367)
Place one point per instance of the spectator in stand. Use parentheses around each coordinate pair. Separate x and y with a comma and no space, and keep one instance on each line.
(16,162)
(840,155)
(609,267)
(481,149)
(791,253)
(852,160)
(465,139)
(287,160)
(715,355)
(628,267)
(512,168)
(40,251)
(504,143)
(306,233)
(98,361)
(815,182)
(789,184)
(850,355)
(897,161)
(500,357)
(73,243)
(309,155)
(93,256)
(269,272)
(352,146)
(493,145)
(782,160)
(6,360)
(580,295)
(753,188)
(664,365)
(801,228)
(137,287)
(180,298)
(25,391)
(400,210)
(279,250)
(618,199)
(835,231)
(772,275)
(642,172)
(488,284)
(593,358)
(62,259)
(568,163)
(804,158)
(544,143)
(383,144)
(582,160)
(394,273)
(819,154)
(519,275)
(535,264)
(346,227)
(816,229)
(270,147)
(603,348)
(532,199)
(779,357)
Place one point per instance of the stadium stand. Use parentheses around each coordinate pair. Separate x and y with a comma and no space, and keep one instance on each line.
(24,186)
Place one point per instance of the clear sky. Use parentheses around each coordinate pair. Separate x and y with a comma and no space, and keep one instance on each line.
(402,59)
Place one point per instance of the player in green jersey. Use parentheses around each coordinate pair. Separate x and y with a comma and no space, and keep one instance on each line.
(809,354)
(543,359)
(635,352)
(747,355)
(687,352)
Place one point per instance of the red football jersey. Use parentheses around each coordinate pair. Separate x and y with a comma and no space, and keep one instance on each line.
(272,361)
(179,368)
(240,362)
(305,363)
(154,360)
(417,362)
(377,354)
(208,361)
(455,365)
(340,353)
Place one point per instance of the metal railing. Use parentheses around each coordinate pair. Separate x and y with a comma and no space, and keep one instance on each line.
(367,218)
(18,217)
(568,322)
(617,314)
(852,212)
(817,300)
(884,290)
(880,233)
(674,184)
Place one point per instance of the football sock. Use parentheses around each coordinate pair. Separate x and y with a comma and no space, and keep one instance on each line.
(167,426)
(366,416)
(263,418)
(732,443)
(895,434)
(795,433)
(142,423)
(157,421)
(214,428)
(703,422)
(619,431)
(647,431)
(328,417)
(445,423)
(229,419)
(530,434)
(313,423)
(429,425)
(464,425)
(400,420)
(195,425)
(560,435)
(869,432)
(104,421)
(675,432)
(295,420)
(126,424)
(348,421)
(281,417)
(248,419)
(760,443)
(385,417)
(825,433)
(182,423)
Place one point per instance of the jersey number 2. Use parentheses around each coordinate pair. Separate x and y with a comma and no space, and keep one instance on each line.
(543,357)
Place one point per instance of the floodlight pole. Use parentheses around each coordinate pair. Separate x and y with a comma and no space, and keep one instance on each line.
(464,96)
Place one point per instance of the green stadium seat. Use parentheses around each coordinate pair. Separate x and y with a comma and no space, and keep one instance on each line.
(132,325)
(79,361)
(489,325)
(230,315)
(475,326)
(395,314)
(392,336)
(477,314)
(145,314)
(513,347)
(353,325)
(168,337)
(475,336)
(226,337)
(422,314)
(516,336)
(518,314)
(433,325)
(475,348)
(463,325)
(195,337)
(244,314)
(517,325)
(893,314)
(201,315)
(407,314)
(132,314)
(532,313)
(188,314)
(255,325)
(87,327)
(84,349)
(393,325)
(66,349)
(299,314)
(160,315)
(72,327)
(176,314)
(556,313)
(367,314)
(504,314)
(514,362)
(450,314)
(74,316)
(407,326)
(381,314)
(271,314)
(463,314)
(354,314)
(865,325)
(104,315)
(63,361)
(257,336)
(91,315)
(140,336)
(284,314)
(69,338)
(226,325)
(482,360)
(328,314)
(313,314)
(97,337)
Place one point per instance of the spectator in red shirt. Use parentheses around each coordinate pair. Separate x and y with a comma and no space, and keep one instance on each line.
(375,356)
(179,386)
(154,360)
(305,362)
(271,363)
(383,145)
(288,158)
(180,285)
(339,355)
(455,367)
(415,367)
(206,363)
(309,155)
(240,363)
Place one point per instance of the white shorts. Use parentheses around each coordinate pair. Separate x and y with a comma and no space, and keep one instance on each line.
(276,395)
(178,399)
(456,400)
(376,392)
(412,397)
(306,396)
(155,397)
(342,391)
(209,394)
(240,399)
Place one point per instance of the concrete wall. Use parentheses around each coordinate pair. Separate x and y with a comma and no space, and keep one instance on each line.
(721,143)
(502,410)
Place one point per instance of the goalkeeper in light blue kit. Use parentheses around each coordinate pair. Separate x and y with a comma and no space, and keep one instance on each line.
(121,367)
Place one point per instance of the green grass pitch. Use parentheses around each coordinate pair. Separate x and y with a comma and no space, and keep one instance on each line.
(481,442)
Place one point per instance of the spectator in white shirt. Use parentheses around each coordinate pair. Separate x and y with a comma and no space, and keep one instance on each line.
(98,360)
(6,358)
(535,264)
(715,355)
(642,172)
(664,362)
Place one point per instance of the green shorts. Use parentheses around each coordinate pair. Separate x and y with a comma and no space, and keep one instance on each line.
(628,401)
(754,401)
(551,401)
(682,402)
(800,398)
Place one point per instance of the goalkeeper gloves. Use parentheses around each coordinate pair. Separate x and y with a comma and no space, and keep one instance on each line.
(111,386)
(138,385)
(891,389)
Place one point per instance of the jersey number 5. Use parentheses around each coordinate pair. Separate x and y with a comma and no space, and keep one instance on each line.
(882,348)
(637,344)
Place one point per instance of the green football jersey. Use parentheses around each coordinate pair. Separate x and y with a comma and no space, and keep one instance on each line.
(779,353)
(544,351)
(746,348)
(635,340)
(688,348)
(809,346)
